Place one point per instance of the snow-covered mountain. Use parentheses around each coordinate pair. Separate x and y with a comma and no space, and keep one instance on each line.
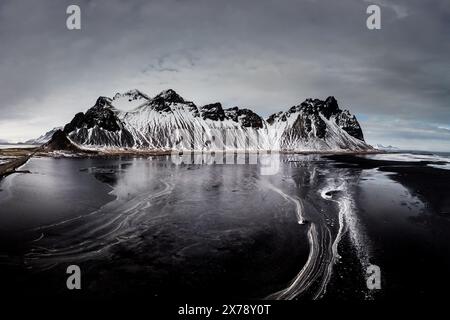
(168,122)
(43,138)
(316,125)
(385,148)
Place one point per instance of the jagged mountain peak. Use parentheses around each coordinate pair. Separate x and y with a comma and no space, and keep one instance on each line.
(314,124)
(310,118)
(131,95)
(103,102)
(327,107)
(60,141)
(246,117)
(169,95)
(129,100)
(213,111)
(103,114)
(331,100)
(165,100)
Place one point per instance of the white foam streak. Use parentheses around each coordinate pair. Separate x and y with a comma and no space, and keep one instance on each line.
(307,275)
(114,223)
(296,201)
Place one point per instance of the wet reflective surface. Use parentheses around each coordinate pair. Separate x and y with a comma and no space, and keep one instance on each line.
(308,228)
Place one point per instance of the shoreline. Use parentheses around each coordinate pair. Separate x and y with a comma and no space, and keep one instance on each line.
(20,156)
(11,166)
(15,152)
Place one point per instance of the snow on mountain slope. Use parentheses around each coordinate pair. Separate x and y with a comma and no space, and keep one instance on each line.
(168,122)
(43,138)
(316,125)
(385,148)
(129,100)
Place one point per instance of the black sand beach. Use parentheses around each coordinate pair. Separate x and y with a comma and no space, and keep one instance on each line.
(144,226)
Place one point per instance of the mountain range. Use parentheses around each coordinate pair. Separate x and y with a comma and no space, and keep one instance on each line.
(43,138)
(169,122)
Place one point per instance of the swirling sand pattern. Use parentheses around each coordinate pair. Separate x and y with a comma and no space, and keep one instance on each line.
(114,223)
(323,255)
(128,217)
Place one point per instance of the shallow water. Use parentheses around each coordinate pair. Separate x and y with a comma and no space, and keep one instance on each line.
(309,229)
(20,146)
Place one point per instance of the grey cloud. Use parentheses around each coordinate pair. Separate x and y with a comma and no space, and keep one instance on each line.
(265,55)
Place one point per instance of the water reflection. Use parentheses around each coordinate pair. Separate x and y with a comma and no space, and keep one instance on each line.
(197,225)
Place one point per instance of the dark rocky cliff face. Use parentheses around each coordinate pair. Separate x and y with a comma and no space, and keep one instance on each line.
(59,141)
(313,124)
(349,124)
(246,117)
(309,117)
(100,115)
(101,119)
(213,111)
(163,102)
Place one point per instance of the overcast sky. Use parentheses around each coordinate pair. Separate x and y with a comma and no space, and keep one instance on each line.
(266,55)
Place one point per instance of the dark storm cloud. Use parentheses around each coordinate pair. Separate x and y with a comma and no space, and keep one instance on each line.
(264,54)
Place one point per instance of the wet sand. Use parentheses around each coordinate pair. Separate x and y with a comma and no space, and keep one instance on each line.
(221,231)
(21,156)
(411,237)
(429,183)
